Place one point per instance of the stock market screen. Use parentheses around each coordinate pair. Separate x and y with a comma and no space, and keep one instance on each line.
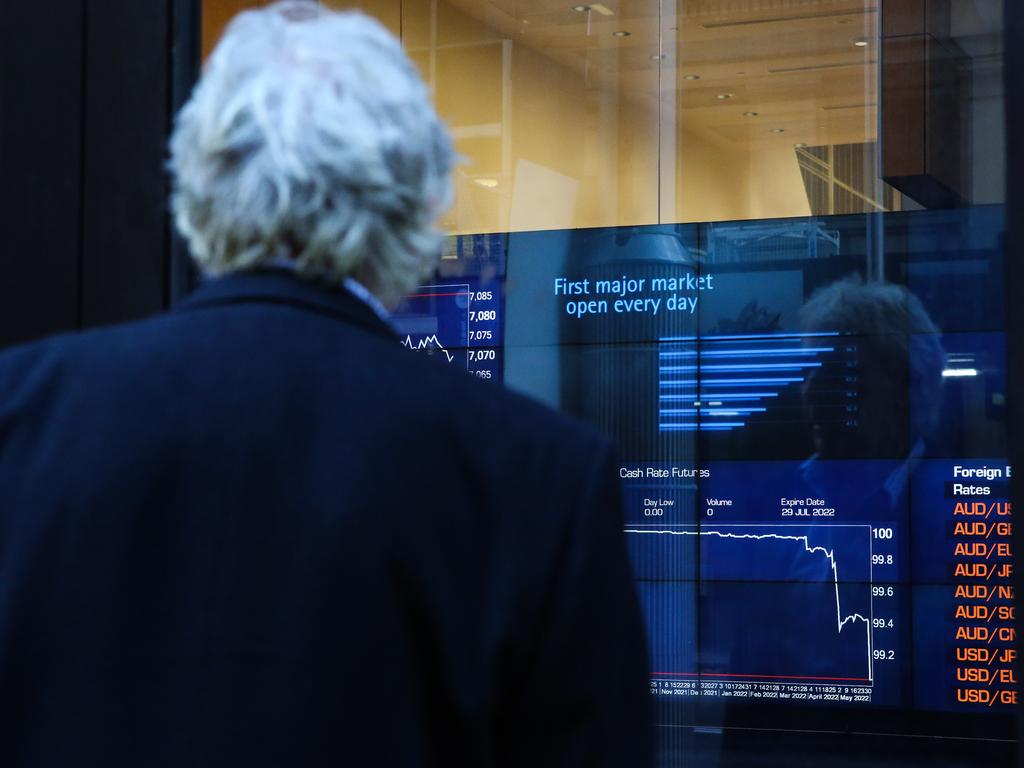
(810,418)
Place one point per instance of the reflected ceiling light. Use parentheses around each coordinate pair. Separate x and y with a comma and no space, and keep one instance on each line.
(750,114)
(602,9)
(778,130)
(621,33)
(724,96)
(861,43)
(658,57)
(488,183)
(800,145)
(957,373)
(691,77)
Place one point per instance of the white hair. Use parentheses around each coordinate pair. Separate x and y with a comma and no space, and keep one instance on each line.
(311,138)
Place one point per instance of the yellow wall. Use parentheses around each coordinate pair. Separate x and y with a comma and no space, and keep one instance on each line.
(217,14)
(543,148)
(714,187)
(547,145)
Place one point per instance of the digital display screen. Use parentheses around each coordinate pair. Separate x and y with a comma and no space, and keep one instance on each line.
(810,416)
(459,317)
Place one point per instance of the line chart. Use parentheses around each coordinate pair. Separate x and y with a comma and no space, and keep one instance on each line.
(427,342)
(760,595)
(436,320)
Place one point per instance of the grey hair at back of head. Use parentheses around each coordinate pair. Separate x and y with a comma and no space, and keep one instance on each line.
(892,328)
(874,308)
(311,138)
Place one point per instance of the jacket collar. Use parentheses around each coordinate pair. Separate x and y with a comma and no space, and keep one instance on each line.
(281,286)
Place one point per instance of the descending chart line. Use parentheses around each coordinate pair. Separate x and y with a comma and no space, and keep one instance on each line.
(841,620)
(428,342)
(437,318)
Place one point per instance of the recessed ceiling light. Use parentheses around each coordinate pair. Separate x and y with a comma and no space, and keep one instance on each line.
(724,96)
(489,183)
(862,43)
(621,33)
(750,114)
(691,77)
(778,130)
(581,8)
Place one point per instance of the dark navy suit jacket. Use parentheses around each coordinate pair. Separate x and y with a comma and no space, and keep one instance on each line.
(257,531)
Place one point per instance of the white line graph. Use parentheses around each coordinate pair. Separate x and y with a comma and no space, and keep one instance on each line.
(427,342)
(841,620)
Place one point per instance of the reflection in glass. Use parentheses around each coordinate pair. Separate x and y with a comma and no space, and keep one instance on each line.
(759,249)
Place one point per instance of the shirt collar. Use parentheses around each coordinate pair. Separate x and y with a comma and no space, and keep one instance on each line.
(353,286)
(362,293)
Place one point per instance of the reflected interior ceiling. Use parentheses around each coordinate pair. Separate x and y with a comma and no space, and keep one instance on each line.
(795,63)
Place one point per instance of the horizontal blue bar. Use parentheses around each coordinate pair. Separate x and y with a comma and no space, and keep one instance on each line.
(728,396)
(748,382)
(752,336)
(720,427)
(712,411)
(692,383)
(746,352)
(730,367)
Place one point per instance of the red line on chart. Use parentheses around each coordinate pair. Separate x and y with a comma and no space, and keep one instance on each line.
(766,677)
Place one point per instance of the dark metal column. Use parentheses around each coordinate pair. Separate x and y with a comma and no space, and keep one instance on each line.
(1014,25)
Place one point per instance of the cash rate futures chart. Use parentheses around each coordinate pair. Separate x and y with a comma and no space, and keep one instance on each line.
(813,453)
(783,596)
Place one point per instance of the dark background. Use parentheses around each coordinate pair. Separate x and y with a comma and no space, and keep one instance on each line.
(87,93)
(1014,25)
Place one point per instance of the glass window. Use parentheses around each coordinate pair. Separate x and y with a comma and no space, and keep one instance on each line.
(759,244)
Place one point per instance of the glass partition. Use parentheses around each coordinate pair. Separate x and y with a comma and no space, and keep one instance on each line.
(647,112)
(811,420)
(759,244)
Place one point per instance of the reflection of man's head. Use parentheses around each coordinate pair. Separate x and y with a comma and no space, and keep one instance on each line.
(898,374)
